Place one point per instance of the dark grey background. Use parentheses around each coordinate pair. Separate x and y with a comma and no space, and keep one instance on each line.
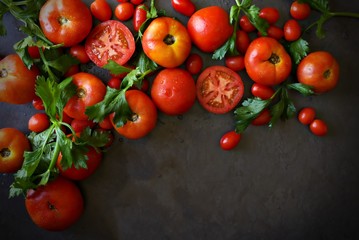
(176,183)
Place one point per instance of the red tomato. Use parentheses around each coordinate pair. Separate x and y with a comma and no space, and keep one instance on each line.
(17,82)
(37,103)
(114,82)
(39,122)
(110,40)
(263,118)
(33,52)
(144,117)
(320,70)
(219,89)
(72,70)
(139,16)
(173,91)
(65,21)
(246,25)
(236,63)
(90,90)
(106,123)
(166,42)
(275,32)
(306,116)
(124,11)
(209,28)
(94,158)
(270,14)
(144,86)
(79,125)
(13,144)
(292,30)
(262,91)
(242,41)
(300,11)
(230,140)
(101,10)
(55,206)
(267,62)
(79,52)
(185,7)
(318,127)
(194,63)
(136,2)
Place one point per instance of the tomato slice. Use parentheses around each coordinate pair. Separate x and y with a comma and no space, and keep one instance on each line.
(110,40)
(219,89)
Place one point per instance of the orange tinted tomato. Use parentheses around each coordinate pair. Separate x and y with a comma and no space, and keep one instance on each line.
(101,10)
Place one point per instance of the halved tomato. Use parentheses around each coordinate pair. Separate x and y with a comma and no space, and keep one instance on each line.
(110,40)
(219,89)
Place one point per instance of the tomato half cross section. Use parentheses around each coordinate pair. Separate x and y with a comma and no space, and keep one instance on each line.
(110,40)
(219,89)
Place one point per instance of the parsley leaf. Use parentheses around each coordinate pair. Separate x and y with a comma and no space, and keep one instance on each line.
(298,49)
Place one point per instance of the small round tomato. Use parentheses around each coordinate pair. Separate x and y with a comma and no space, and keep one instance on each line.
(79,125)
(110,40)
(236,63)
(136,2)
(262,91)
(306,116)
(143,119)
(13,144)
(173,91)
(267,62)
(219,89)
(139,16)
(106,123)
(39,122)
(292,30)
(90,90)
(33,52)
(185,7)
(270,14)
(101,10)
(300,11)
(263,118)
(242,41)
(79,52)
(37,103)
(114,82)
(194,63)
(230,140)
(246,25)
(318,127)
(209,28)
(275,32)
(65,21)
(55,206)
(320,70)
(124,11)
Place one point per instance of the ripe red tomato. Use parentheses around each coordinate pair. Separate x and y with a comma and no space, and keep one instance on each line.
(263,118)
(94,158)
(79,125)
(101,10)
(270,14)
(90,90)
(65,21)
(242,41)
(139,16)
(114,82)
(300,11)
(173,91)
(275,32)
(236,63)
(246,25)
(136,2)
(230,140)
(267,62)
(72,70)
(318,127)
(306,116)
(79,52)
(185,7)
(13,144)
(17,82)
(262,91)
(33,52)
(166,42)
(144,117)
(320,70)
(38,122)
(194,63)
(37,103)
(124,11)
(219,89)
(56,205)
(110,40)
(106,123)
(209,28)
(292,30)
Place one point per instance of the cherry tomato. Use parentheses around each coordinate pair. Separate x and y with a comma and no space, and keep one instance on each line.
(110,40)
(39,122)
(262,91)
(144,117)
(37,103)
(166,42)
(79,52)
(90,90)
(318,127)
(320,70)
(230,140)
(306,116)
(263,118)
(267,62)
(124,11)
(106,123)
(33,52)
(136,2)
(55,206)
(79,125)
(242,41)
(185,7)
(139,16)
(173,91)
(101,10)
(13,144)
(270,14)
(275,32)
(236,63)
(246,25)
(72,70)
(300,11)
(209,28)
(194,63)
(292,30)
(114,82)
(65,21)
(17,82)
(143,86)
(219,89)
(122,1)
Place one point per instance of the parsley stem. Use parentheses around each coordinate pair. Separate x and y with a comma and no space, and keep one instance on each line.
(344,14)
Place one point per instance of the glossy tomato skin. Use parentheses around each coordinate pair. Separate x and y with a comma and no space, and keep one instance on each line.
(13,144)
(101,10)
(124,11)
(230,140)
(55,206)
(242,41)
(219,89)
(110,40)
(185,7)
(300,11)
(79,125)
(90,90)
(166,42)
(174,91)
(275,32)
(320,70)
(267,62)
(17,82)
(292,30)
(194,63)
(78,51)
(144,119)
(236,63)
(139,16)
(38,122)
(246,25)
(318,127)
(263,118)
(209,28)
(270,14)
(262,91)
(65,21)
(37,103)
(306,116)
